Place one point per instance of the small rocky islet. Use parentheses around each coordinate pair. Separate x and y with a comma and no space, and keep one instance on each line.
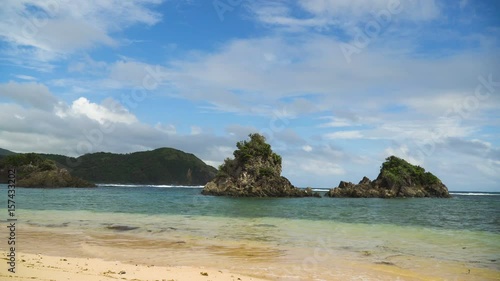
(255,171)
(397,179)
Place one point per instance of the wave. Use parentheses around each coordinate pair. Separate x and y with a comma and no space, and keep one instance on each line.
(474,193)
(320,190)
(149,185)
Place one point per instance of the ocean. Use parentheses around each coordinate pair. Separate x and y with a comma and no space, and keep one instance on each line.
(285,238)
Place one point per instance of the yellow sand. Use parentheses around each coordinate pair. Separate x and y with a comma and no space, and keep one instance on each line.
(43,267)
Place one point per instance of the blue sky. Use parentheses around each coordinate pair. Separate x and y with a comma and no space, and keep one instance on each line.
(335,86)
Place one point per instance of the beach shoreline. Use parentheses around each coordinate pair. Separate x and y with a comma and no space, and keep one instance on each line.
(51,253)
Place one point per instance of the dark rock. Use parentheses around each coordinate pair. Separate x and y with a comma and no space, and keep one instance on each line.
(255,171)
(385,262)
(122,227)
(397,178)
(265,225)
(344,184)
(365,180)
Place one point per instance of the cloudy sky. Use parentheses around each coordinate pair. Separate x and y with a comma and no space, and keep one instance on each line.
(336,86)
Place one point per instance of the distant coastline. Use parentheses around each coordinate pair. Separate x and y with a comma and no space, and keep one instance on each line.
(196,174)
(321,190)
(162,166)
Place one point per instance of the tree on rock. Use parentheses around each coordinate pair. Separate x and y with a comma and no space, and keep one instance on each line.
(255,171)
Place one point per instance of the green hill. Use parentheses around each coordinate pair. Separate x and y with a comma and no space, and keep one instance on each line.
(159,166)
(33,170)
(6,152)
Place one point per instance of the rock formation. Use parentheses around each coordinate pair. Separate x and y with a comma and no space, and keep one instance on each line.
(397,178)
(255,171)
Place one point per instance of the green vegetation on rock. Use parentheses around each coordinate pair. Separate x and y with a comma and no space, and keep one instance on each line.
(255,171)
(397,178)
(398,171)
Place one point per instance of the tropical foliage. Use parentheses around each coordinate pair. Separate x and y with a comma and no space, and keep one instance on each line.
(399,171)
(28,160)
(251,153)
(159,166)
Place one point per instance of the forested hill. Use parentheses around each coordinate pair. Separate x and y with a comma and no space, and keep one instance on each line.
(159,166)
(5,152)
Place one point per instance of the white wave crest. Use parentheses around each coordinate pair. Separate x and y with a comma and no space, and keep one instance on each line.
(474,194)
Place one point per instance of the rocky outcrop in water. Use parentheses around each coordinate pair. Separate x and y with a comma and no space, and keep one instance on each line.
(255,171)
(397,178)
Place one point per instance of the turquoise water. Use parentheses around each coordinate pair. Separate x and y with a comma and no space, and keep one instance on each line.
(465,228)
(462,212)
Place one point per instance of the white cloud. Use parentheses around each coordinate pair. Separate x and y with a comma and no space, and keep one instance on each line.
(490,168)
(238,77)
(88,65)
(36,27)
(279,14)
(353,8)
(337,122)
(216,154)
(422,130)
(212,163)
(85,127)
(31,94)
(323,14)
(466,104)
(307,148)
(168,129)
(195,130)
(404,152)
(320,168)
(128,72)
(109,111)
(344,135)
(26,77)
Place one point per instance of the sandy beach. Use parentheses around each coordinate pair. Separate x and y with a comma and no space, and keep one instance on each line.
(49,268)
(63,254)
(43,267)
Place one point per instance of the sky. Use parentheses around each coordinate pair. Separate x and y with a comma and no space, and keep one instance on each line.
(335,86)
